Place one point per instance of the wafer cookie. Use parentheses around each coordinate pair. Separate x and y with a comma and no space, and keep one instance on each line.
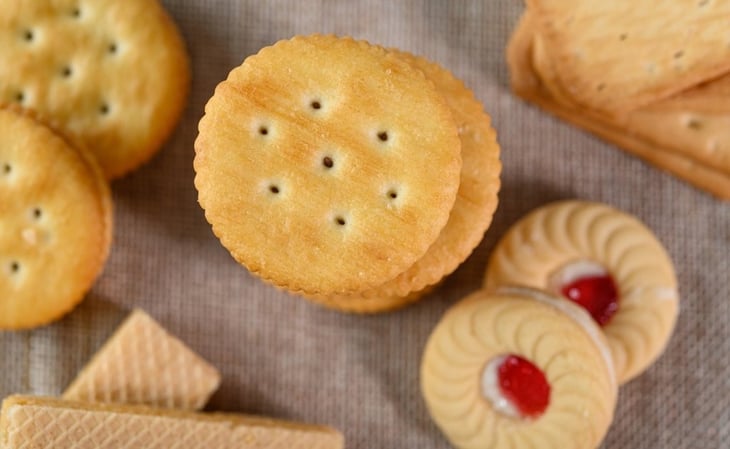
(143,364)
(33,422)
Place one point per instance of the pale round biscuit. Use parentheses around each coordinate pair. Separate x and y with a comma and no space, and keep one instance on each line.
(483,327)
(113,76)
(473,209)
(553,237)
(56,221)
(327,165)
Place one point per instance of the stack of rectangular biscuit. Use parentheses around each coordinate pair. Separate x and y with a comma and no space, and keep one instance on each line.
(652,78)
(140,391)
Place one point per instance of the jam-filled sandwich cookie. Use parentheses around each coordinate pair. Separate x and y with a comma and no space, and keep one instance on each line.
(604,260)
(55,223)
(516,369)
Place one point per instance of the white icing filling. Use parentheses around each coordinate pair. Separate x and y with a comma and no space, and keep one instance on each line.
(491,390)
(577,313)
(572,272)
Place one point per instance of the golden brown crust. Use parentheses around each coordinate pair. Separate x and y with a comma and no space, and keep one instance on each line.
(327,181)
(57,222)
(112,76)
(472,213)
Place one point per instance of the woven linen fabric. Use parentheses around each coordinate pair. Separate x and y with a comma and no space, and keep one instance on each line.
(284,357)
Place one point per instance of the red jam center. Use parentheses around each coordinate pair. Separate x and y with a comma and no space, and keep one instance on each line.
(524,385)
(596,294)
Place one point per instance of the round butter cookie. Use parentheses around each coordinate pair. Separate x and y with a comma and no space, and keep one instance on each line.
(55,223)
(519,369)
(473,209)
(112,76)
(604,260)
(327,165)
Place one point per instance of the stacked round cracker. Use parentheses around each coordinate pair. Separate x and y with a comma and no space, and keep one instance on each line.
(350,174)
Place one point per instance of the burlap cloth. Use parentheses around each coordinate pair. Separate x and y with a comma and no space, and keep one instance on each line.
(284,357)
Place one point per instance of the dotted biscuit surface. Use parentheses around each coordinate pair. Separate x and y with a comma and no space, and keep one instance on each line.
(113,76)
(55,223)
(327,165)
(475,202)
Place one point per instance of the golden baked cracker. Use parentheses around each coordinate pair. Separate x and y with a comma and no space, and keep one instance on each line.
(622,54)
(55,223)
(370,304)
(694,124)
(143,364)
(527,84)
(475,203)
(327,165)
(35,422)
(111,75)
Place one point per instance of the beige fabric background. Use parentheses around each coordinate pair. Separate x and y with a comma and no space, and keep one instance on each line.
(284,357)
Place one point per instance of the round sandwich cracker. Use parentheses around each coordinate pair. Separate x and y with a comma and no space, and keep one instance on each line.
(55,223)
(112,76)
(327,165)
(473,209)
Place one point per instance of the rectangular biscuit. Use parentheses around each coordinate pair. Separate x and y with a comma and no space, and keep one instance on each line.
(622,54)
(527,84)
(32,422)
(695,124)
(143,364)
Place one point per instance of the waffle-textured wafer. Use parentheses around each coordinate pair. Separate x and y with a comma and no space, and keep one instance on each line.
(467,348)
(622,54)
(55,210)
(526,82)
(560,243)
(32,422)
(111,75)
(143,364)
(327,165)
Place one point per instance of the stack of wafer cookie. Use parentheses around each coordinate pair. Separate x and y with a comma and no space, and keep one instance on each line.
(140,391)
(350,174)
(652,78)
